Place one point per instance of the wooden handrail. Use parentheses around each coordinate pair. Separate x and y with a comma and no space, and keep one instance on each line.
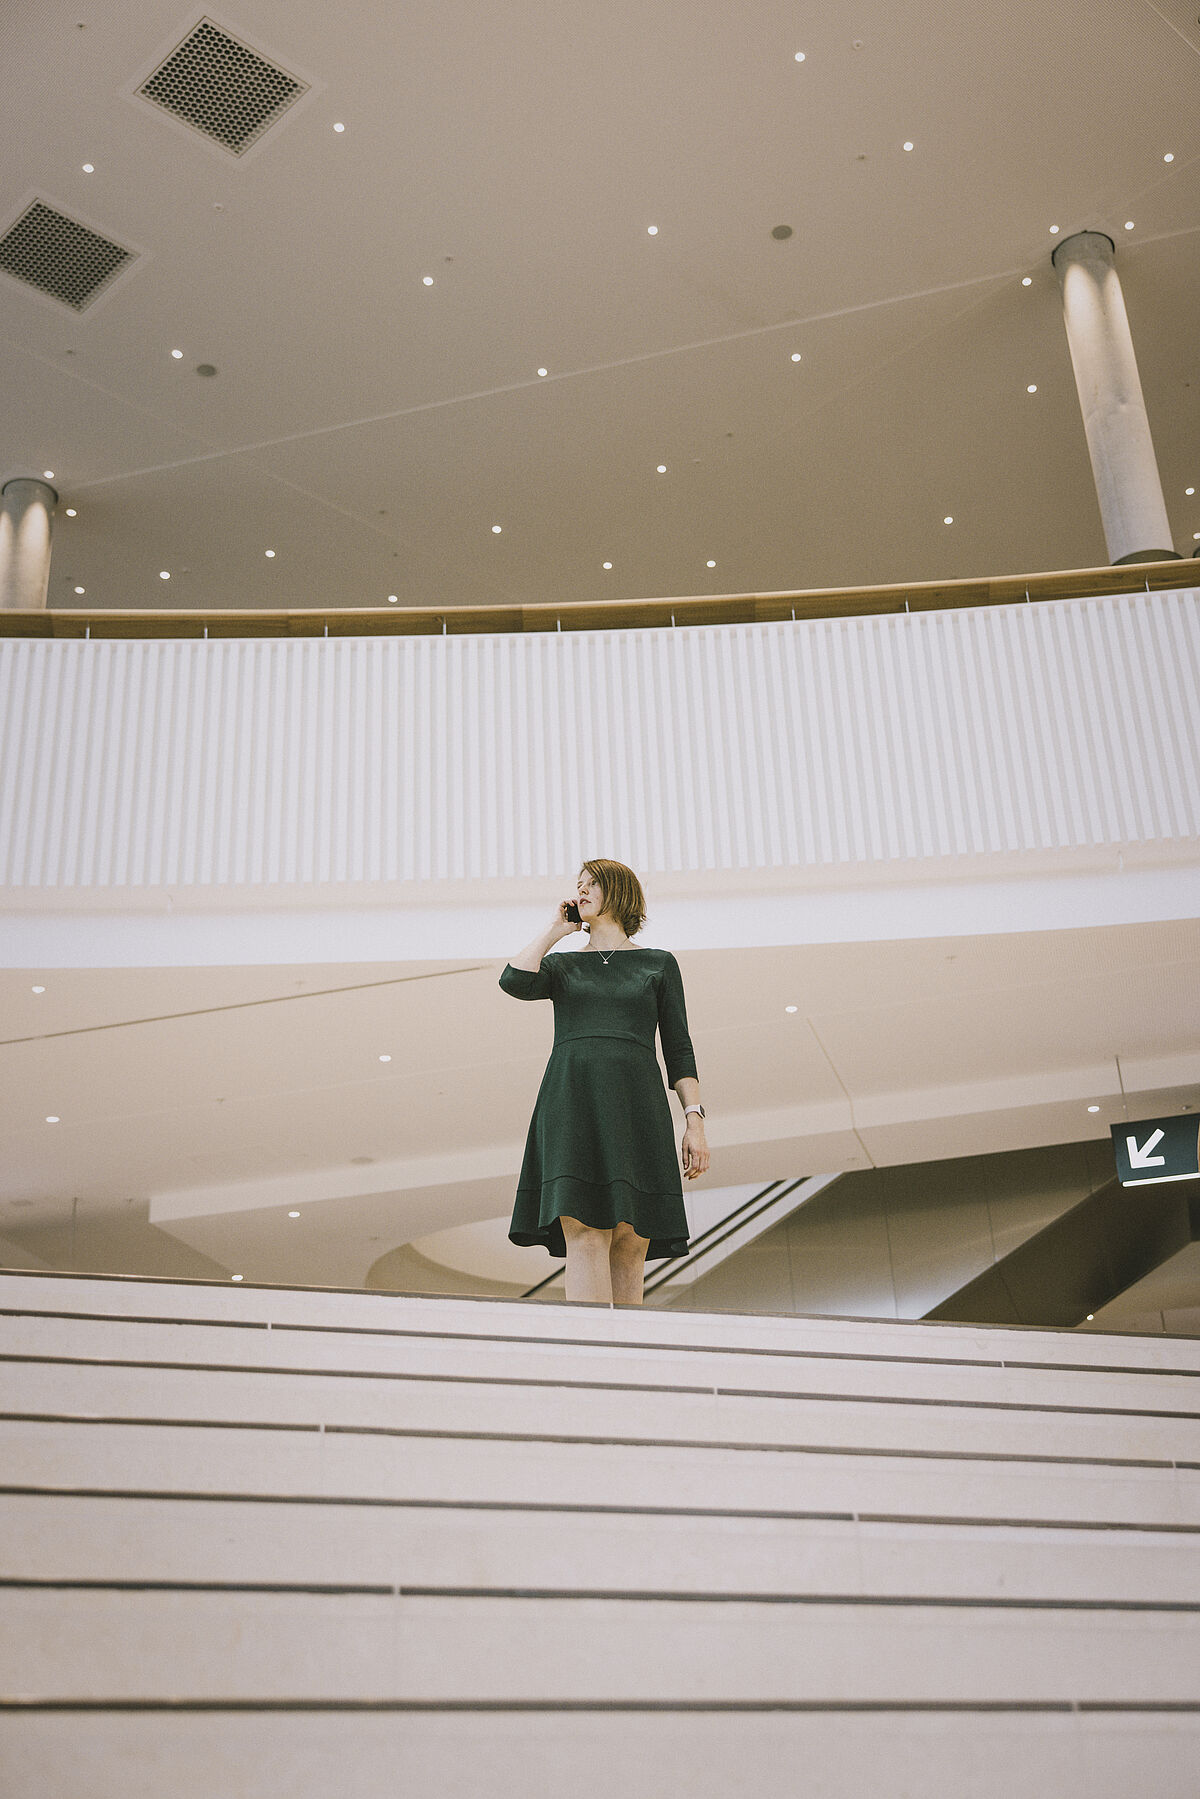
(602,615)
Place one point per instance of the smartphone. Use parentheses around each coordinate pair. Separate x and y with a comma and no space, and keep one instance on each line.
(573,913)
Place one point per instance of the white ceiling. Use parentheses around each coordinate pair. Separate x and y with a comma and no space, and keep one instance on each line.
(372,430)
(213,1100)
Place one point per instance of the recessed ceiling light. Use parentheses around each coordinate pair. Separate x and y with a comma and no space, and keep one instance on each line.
(39,990)
(791,1008)
(89,168)
(948,520)
(662,468)
(427,280)
(81,590)
(164,574)
(1169,157)
(1032,388)
(385,1058)
(908,146)
(49,473)
(1091,1317)
(799,56)
(52,1119)
(1189,490)
(543,371)
(710,565)
(235,1277)
(178,355)
(1093,1108)
(1196,536)
(293,1214)
(339,128)
(1129,224)
(795,356)
(71,512)
(608,565)
(497,529)
(1027,281)
(268,554)
(1053,230)
(393,599)
(651,230)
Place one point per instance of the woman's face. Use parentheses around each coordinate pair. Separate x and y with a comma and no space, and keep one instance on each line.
(590,897)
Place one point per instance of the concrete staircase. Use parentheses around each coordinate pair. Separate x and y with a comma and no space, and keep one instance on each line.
(259,1542)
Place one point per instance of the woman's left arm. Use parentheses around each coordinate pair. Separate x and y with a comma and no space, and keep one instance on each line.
(695,1144)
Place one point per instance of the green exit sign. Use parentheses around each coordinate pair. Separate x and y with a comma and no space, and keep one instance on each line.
(1157,1149)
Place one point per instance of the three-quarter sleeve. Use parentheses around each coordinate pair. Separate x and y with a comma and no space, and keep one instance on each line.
(524,985)
(673,1026)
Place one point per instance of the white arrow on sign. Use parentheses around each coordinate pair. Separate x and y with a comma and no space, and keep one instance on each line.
(1141,1158)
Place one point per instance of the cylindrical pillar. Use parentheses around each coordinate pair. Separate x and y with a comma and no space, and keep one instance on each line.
(26,521)
(1132,509)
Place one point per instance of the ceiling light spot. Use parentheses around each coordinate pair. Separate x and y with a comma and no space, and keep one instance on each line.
(385,1058)
(293,1214)
(1189,490)
(1196,536)
(1027,281)
(781,232)
(799,56)
(164,574)
(1093,1108)
(710,565)
(426,280)
(90,168)
(49,473)
(651,230)
(38,990)
(393,599)
(339,128)
(71,512)
(1032,388)
(608,565)
(178,355)
(1129,224)
(948,520)
(1169,157)
(1091,1317)
(662,468)
(81,590)
(1054,230)
(795,356)
(236,1277)
(908,146)
(53,1119)
(791,1008)
(268,554)
(543,371)
(497,529)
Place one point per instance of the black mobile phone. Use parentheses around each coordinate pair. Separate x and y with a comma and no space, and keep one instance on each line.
(573,913)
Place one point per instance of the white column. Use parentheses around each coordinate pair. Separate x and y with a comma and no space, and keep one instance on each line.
(26,521)
(1128,488)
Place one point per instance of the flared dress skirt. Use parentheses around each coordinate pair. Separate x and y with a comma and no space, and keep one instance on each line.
(601,1148)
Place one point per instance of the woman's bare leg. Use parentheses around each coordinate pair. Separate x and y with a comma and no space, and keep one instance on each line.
(627,1265)
(588,1274)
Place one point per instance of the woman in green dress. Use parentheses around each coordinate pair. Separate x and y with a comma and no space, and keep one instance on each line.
(599,1182)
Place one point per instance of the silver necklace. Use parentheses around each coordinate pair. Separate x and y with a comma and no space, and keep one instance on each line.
(607,959)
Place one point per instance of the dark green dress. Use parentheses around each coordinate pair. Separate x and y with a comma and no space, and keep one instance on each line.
(601,1143)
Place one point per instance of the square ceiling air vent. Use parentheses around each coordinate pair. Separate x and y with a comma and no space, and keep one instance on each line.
(222,88)
(61,257)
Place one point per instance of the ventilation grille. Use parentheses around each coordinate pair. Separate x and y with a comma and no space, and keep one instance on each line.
(61,257)
(222,87)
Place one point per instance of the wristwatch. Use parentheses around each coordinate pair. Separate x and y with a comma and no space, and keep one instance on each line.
(688,1109)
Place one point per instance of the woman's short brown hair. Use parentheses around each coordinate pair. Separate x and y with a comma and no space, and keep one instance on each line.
(623,898)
